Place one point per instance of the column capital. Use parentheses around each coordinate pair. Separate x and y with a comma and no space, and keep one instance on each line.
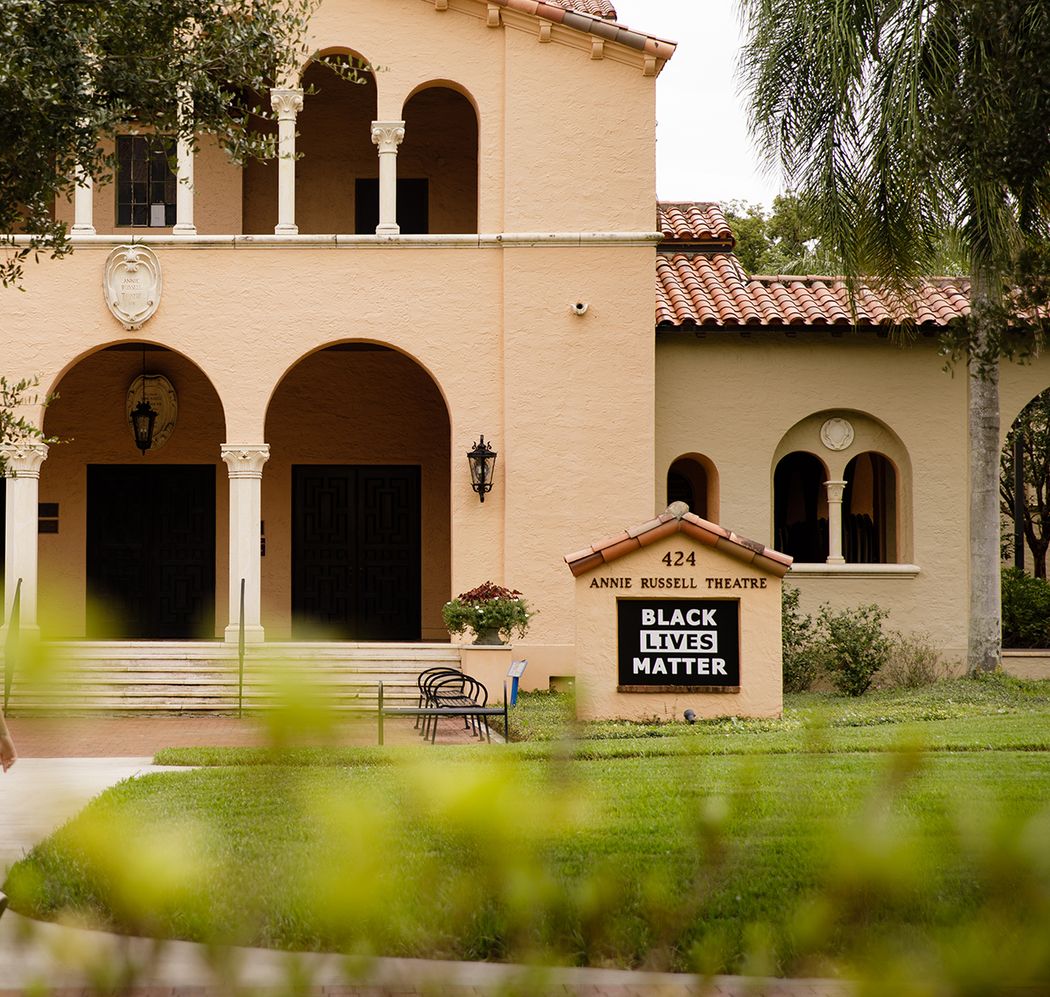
(835,490)
(286,102)
(388,135)
(245,460)
(23,460)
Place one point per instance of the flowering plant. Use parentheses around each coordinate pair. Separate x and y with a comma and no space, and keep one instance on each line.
(488,609)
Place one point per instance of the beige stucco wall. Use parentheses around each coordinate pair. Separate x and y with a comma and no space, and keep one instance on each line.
(563,143)
(766,395)
(761,673)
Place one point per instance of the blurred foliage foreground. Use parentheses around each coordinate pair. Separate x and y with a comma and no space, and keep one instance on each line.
(918,872)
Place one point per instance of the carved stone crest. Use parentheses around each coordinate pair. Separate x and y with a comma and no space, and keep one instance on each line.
(131,283)
(836,434)
(160,393)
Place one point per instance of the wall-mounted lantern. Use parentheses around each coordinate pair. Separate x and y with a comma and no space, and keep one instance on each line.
(482,460)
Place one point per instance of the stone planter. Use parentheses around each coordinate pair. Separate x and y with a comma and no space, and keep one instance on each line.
(489,638)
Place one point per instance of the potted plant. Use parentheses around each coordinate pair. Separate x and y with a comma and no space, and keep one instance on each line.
(491,611)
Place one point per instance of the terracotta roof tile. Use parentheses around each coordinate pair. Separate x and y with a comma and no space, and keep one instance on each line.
(596,17)
(597,8)
(712,290)
(692,221)
(677,519)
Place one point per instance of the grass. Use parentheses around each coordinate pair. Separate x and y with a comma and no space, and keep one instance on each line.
(719,847)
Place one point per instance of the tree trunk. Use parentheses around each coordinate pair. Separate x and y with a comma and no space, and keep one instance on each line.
(985,634)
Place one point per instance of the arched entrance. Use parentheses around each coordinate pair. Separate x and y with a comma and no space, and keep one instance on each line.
(129,548)
(356,503)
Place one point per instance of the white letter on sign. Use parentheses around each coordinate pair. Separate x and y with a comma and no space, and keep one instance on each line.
(648,617)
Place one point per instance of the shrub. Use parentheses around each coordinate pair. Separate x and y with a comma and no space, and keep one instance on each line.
(798,633)
(913,661)
(855,647)
(488,607)
(1026,610)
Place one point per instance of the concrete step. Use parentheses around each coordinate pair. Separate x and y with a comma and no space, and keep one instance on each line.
(201,677)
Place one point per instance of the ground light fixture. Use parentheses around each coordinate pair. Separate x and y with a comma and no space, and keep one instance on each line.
(143,416)
(482,460)
(690,716)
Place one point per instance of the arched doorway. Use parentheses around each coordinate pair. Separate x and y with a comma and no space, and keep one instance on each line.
(1024,486)
(129,551)
(356,503)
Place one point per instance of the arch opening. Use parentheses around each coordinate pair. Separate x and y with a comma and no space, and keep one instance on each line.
(335,151)
(357,499)
(869,510)
(1024,487)
(131,549)
(693,479)
(800,507)
(437,187)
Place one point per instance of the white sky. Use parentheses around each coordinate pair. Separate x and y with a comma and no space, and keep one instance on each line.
(703,152)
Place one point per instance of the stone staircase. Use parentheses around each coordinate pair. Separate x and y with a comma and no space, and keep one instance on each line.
(202,676)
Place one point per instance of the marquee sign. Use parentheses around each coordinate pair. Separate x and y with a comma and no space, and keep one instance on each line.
(678,644)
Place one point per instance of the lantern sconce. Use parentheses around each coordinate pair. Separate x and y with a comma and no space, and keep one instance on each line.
(482,460)
(143,417)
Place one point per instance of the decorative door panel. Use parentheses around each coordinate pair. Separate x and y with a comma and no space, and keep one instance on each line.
(356,571)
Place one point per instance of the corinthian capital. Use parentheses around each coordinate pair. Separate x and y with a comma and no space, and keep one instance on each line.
(245,460)
(286,103)
(23,460)
(388,135)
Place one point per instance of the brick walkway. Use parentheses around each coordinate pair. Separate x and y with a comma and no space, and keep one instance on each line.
(136,736)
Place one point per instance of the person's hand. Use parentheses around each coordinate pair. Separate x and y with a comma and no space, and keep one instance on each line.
(8,755)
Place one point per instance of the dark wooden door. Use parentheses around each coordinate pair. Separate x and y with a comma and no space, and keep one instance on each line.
(356,571)
(151,551)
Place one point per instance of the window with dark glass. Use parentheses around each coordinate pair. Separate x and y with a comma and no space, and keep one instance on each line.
(146,184)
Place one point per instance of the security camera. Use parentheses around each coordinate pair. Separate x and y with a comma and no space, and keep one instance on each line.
(580,308)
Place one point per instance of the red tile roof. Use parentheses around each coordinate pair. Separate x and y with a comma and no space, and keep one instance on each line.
(678,519)
(712,290)
(692,221)
(598,8)
(591,16)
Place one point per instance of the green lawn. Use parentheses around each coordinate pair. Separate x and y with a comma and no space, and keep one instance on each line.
(799,846)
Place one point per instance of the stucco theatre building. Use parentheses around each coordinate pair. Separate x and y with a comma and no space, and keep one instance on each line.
(468,245)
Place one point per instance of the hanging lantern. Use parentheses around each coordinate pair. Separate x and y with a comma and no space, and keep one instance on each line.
(143,417)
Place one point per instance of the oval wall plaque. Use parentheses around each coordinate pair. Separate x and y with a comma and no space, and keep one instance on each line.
(131,284)
(160,393)
(836,434)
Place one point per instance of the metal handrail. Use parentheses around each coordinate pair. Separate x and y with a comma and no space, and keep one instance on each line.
(240,657)
(11,645)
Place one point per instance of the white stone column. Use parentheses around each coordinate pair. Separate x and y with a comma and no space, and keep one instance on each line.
(245,464)
(20,529)
(184,175)
(387,136)
(83,205)
(835,490)
(286,103)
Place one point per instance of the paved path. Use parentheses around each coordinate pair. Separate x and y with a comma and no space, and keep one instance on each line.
(42,791)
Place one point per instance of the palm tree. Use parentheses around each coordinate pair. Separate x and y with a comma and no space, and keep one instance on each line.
(900,123)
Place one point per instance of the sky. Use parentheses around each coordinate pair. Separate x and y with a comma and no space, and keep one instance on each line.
(703,152)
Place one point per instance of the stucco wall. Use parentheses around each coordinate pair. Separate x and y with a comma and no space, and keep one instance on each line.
(757,391)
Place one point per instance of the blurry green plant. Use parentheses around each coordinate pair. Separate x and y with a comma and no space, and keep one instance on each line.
(1026,609)
(488,608)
